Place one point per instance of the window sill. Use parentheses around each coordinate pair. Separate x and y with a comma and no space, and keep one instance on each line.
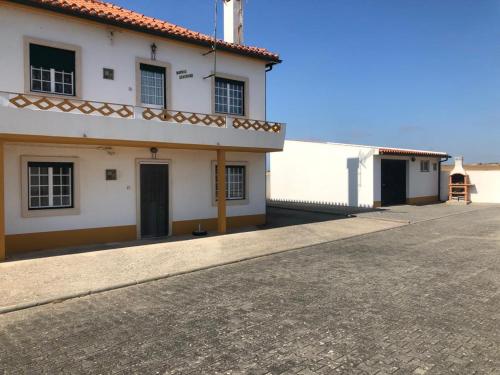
(232,202)
(51,212)
(51,95)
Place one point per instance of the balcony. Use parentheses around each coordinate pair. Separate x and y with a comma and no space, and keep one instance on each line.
(47,116)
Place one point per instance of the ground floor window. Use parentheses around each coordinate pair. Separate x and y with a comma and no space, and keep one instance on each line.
(50,185)
(425,165)
(235,182)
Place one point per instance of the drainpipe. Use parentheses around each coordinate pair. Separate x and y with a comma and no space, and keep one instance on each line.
(269,67)
(439,175)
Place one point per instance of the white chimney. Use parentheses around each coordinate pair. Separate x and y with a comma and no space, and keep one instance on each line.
(233,21)
(459,166)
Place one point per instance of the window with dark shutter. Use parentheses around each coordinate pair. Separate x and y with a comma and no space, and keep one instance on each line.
(52,70)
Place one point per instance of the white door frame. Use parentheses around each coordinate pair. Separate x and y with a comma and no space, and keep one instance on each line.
(138,163)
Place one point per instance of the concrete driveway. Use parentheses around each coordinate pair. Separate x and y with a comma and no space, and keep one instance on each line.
(416,299)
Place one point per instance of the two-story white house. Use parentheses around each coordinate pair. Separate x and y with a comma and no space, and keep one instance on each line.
(116,126)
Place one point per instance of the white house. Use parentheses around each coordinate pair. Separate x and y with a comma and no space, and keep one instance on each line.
(354,175)
(113,125)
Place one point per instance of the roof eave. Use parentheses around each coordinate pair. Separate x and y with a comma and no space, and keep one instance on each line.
(125,25)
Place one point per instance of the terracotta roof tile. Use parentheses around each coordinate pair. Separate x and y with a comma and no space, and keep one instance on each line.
(402,151)
(110,13)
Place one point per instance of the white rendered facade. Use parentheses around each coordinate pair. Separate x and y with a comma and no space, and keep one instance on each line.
(95,142)
(344,175)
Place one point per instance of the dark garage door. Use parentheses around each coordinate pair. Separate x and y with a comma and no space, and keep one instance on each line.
(393,182)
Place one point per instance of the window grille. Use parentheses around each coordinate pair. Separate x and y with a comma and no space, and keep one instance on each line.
(235,182)
(152,85)
(229,97)
(50,185)
(52,81)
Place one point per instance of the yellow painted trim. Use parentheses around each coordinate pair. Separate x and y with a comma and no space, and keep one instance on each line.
(124,143)
(187,226)
(422,200)
(20,243)
(2,208)
(221,193)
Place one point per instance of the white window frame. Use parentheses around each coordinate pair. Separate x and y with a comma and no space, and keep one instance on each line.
(154,96)
(425,166)
(50,186)
(26,211)
(77,75)
(167,82)
(52,81)
(233,201)
(227,83)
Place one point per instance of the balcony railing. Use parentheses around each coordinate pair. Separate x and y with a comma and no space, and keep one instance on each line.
(130,112)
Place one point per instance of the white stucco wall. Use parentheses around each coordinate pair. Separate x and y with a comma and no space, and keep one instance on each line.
(324,173)
(340,174)
(418,184)
(485,185)
(113,203)
(99,50)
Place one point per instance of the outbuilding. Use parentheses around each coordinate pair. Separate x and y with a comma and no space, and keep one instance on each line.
(354,175)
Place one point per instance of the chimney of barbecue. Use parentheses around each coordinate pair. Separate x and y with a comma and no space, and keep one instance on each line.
(233,21)
(459,166)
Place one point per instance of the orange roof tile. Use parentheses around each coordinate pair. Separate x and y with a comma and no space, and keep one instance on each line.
(402,151)
(116,15)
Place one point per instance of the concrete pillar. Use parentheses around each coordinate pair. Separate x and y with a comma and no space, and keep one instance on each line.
(221,192)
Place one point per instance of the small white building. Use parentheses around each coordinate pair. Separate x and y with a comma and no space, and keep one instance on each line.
(113,124)
(354,175)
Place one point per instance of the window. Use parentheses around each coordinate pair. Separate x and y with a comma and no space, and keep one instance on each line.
(50,185)
(424,165)
(152,85)
(435,166)
(235,182)
(52,70)
(229,96)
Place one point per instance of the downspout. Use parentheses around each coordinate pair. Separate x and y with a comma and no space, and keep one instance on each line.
(269,67)
(439,175)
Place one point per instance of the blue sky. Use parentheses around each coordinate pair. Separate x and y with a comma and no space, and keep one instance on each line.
(403,73)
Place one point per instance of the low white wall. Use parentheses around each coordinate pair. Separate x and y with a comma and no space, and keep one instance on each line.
(485,185)
(113,203)
(333,174)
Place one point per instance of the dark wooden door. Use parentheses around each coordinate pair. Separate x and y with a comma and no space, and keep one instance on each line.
(154,200)
(393,182)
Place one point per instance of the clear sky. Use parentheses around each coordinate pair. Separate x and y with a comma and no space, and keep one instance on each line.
(403,73)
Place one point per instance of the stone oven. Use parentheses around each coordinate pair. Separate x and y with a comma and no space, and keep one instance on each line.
(459,183)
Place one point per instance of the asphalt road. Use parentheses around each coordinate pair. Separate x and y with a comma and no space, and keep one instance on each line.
(423,298)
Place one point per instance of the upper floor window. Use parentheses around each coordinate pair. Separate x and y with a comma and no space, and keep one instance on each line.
(52,70)
(153,85)
(229,96)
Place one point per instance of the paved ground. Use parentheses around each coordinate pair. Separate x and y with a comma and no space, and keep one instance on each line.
(423,298)
(63,274)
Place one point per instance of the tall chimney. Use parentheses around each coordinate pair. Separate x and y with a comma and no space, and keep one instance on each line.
(233,21)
